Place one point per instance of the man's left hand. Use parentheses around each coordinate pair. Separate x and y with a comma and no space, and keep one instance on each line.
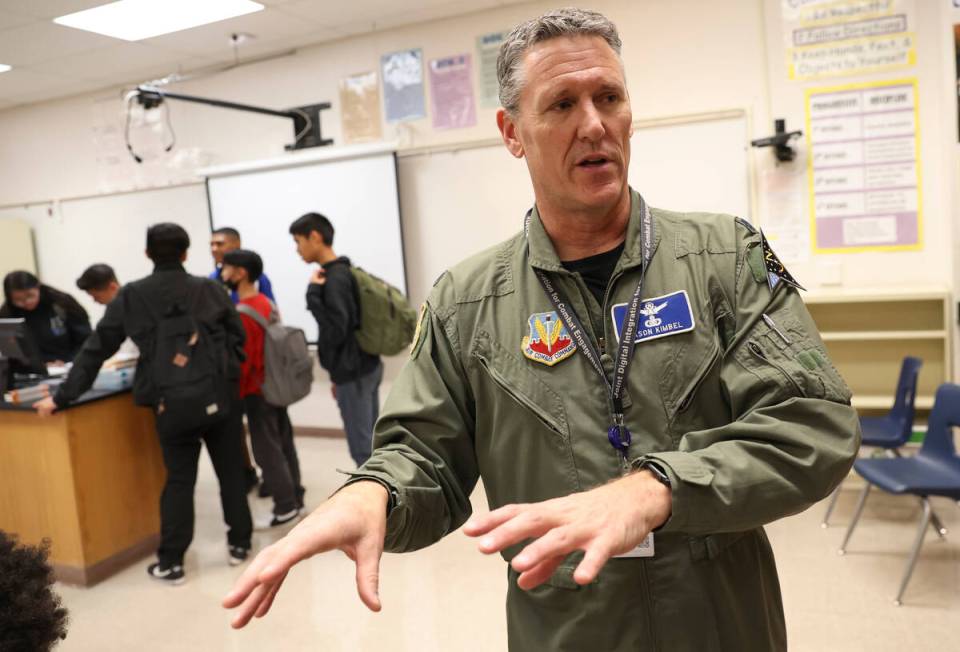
(45,407)
(603,522)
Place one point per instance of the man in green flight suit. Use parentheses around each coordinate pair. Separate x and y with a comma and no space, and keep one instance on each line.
(640,391)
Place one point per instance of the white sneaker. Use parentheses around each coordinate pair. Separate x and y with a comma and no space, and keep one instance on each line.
(276,520)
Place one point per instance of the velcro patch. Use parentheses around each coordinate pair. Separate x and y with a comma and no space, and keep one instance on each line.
(662,316)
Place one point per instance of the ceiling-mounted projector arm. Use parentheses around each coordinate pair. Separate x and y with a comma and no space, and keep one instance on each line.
(306,119)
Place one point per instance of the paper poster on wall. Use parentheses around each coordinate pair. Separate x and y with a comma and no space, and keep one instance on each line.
(783,209)
(956,50)
(863,169)
(403,85)
(451,92)
(832,38)
(488,48)
(360,108)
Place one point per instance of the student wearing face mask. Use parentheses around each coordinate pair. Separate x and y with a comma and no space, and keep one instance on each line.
(59,325)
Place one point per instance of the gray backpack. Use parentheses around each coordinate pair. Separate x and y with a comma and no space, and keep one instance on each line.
(287,364)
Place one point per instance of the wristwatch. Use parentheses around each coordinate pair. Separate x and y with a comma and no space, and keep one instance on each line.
(656,472)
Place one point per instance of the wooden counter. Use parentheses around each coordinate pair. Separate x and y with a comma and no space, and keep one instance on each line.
(88,478)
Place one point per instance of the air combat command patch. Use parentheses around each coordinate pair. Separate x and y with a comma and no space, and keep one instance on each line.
(548,342)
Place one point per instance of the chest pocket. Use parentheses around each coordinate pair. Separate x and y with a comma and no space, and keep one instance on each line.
(513,378)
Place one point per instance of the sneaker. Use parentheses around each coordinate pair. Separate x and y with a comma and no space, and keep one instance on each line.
(237,555)
(276,520)
(172,575)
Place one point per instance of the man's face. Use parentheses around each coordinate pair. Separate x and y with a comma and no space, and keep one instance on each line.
(106,294)
(573,123)
(309,247)
(221,243)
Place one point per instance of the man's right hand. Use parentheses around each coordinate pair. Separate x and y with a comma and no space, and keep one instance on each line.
(353,520)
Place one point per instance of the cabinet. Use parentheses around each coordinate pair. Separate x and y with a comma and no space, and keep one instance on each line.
(868,332)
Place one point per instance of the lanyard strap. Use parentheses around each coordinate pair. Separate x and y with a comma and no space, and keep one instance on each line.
(618,434)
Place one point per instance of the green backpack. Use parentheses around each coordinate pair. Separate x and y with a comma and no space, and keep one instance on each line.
(387,322)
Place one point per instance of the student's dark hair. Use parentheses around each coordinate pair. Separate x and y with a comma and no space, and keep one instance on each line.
(227,230)
(245,259)
(32,617)
(24,280)
(167,242)
(304,224)
(96,277)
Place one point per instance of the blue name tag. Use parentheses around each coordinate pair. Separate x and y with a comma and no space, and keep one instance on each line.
(659,316)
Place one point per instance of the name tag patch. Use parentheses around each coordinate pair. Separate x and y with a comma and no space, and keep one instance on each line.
(659,317)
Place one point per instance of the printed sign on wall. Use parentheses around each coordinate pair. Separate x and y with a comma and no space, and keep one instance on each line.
(864,167)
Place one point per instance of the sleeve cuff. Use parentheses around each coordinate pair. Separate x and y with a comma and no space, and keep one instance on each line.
(686,473)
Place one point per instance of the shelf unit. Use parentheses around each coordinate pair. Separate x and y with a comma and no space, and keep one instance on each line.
(868,332)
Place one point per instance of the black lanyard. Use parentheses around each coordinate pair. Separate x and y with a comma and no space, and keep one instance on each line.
(618,434)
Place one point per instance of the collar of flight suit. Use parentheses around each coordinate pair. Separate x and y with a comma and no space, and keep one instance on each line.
(542,254)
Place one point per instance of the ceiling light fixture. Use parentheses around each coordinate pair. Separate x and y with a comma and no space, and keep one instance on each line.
(135,20)
(4,67)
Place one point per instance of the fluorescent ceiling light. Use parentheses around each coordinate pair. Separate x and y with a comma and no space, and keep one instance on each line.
(134,20)
(4,67)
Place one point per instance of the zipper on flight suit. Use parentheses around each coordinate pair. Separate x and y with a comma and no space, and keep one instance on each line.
(697,382)
(758,352)
(542,415)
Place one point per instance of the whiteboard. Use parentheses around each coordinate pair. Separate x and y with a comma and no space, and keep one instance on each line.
(73,234)
(356,189)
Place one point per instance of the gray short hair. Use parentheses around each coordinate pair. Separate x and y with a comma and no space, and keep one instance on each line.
(569,21)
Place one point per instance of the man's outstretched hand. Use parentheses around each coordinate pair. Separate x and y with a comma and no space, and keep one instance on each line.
(603,522)
(353,520)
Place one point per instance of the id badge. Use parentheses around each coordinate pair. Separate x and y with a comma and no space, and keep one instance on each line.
(645,549)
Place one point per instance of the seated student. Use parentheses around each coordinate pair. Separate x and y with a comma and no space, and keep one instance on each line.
(191,330)
(223,241)
(270,429)
(58,323)
(100,282)
(32,616)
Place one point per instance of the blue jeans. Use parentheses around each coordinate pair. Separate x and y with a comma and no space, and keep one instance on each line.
(359,403)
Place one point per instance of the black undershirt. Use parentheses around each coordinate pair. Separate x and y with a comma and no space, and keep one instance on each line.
(596,270)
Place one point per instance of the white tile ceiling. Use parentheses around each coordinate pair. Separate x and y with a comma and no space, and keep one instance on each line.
(53,61)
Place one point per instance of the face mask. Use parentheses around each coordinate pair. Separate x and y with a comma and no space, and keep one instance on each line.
(231,284)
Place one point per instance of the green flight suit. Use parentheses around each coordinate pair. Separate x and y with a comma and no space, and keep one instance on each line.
(750,423)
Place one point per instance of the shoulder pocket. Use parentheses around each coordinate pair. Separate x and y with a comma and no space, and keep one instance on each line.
(782,350)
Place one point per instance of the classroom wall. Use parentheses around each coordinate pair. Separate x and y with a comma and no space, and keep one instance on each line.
(683,57)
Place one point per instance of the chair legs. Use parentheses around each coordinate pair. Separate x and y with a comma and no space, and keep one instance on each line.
(924,523)
(856,517)
(936,523)
(825,523)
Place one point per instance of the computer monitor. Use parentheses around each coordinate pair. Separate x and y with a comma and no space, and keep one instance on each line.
(19,353)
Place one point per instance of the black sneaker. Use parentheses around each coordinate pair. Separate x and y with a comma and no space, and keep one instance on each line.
(237,555)
(277,520)
(172,575)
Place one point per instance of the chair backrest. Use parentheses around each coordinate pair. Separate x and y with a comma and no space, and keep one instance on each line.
(903,405)
(945,415)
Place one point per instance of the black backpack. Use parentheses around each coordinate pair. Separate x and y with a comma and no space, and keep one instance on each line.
(188,371)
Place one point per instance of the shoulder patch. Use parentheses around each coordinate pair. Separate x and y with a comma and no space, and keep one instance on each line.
(776,272)
(548,342)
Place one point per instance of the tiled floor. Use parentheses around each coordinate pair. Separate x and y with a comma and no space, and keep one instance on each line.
(451,598)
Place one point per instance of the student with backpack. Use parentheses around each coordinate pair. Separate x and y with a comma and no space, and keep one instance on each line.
(270,431)
(333,299)
(191,344)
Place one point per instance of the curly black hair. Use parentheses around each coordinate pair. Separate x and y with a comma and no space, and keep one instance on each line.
(32,618)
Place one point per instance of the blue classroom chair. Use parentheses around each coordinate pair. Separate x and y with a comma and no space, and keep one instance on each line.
(892,430)
(934,471)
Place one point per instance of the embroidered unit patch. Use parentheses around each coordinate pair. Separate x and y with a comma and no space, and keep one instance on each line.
(548,342)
